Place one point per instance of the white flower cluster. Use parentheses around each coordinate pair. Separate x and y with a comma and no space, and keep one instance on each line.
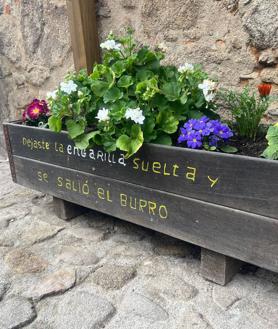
(135,115)
(110,45)
(185,68)
(51,94)
(103,115)
(208,88)
(68,87)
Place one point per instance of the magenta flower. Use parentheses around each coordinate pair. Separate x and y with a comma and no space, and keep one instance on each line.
(35,111)
(43,104)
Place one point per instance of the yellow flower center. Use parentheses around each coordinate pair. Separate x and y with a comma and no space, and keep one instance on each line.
(194,140)
(36,110)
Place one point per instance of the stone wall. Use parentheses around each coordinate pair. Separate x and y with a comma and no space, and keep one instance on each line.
(35,51)
(235,40)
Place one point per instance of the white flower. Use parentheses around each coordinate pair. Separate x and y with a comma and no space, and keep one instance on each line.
(110,45)
(135,115)
(68,87)
(103,115)
(208,88)
(52,94)
(209,97)
(186,67)
(207,85)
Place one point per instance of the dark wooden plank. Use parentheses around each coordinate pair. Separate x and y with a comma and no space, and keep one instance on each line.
(217,267)
(234,233)
(84,34)
(9,150)
(239,182)
(67,210)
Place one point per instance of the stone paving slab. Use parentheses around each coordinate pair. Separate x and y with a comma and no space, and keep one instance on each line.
(96,271)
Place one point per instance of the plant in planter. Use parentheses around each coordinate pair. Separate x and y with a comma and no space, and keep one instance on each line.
(271,152)
(129,99)
(247,109)
(127,106)
(204,133)
(36,113)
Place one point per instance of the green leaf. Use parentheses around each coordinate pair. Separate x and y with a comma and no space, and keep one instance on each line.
(163,139)
(55,124)
(82,142)
(119,68)
(99,88)
(148,130)
(200,102)
(271,152)
(131,144)
(112,95)
(145,56)
(143,75)
(147,89)
(195,114)
(167,122)
(184,98)
(228,149)
(272,135)
(125,81)
(171,90)
(75,128)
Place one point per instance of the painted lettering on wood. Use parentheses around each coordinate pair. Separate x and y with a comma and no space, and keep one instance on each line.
(238,182)
(211,226)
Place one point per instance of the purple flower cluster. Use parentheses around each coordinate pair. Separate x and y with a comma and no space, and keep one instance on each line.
(200,132)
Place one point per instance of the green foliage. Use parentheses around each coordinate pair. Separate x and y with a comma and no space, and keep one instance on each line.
(247,110)
(55,123)
(75,128)
(271,152)
(228,149)
(129,99)
(131,144)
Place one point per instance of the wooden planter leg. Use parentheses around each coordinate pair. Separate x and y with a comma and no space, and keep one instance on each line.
(217,267)
(67,210)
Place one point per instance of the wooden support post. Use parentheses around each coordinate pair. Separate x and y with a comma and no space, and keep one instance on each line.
(84,34)
(67,210)
(217,267)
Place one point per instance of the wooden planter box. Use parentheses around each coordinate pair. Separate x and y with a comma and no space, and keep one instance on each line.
(225,203)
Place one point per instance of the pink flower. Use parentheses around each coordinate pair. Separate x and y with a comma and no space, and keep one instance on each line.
(35,110)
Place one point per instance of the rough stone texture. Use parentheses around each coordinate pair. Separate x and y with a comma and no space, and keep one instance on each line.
(117,276)
(260,21)
(24,261)
(92,310)
(3,286)
(113,276)
(233,39)
(34,55)
(52,284)
(16,312)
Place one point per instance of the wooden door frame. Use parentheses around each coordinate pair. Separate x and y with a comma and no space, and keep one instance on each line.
(84,33)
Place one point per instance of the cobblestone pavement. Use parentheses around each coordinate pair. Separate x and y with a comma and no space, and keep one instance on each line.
(99,272)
